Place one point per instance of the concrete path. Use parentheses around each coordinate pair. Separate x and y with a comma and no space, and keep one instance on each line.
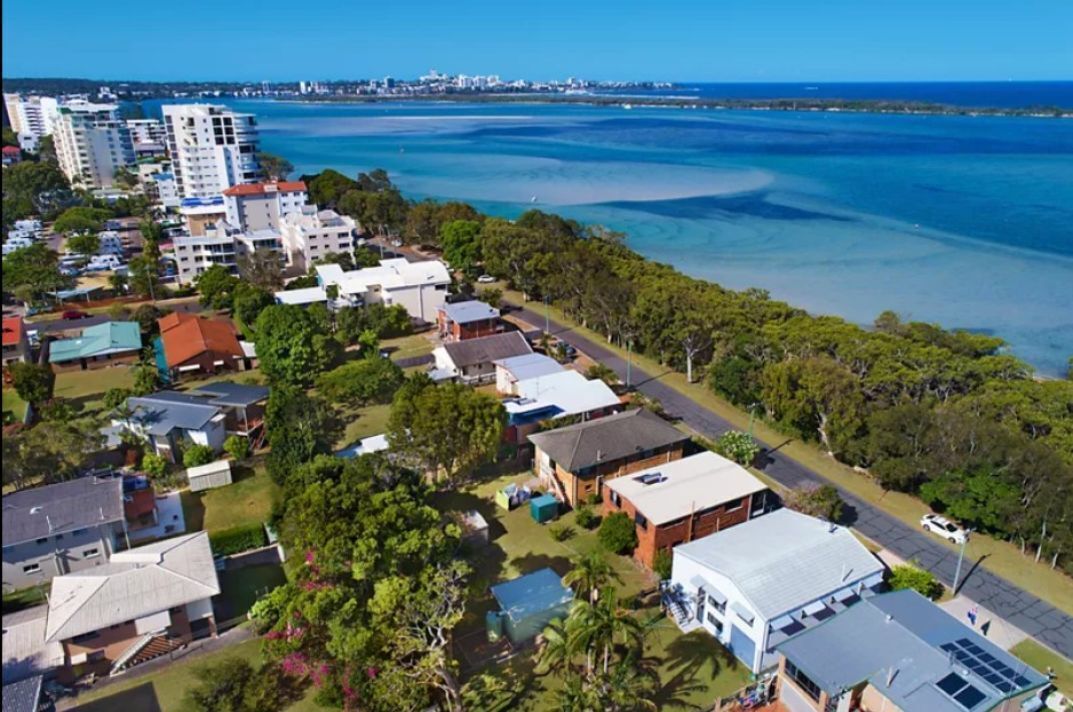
(1020,608)
(1000,632)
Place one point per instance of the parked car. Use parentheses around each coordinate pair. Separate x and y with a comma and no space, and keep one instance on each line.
(486,279)
(74,314)
(944,527)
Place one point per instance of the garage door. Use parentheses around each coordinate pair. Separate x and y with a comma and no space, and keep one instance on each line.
(742,646)
(793,699)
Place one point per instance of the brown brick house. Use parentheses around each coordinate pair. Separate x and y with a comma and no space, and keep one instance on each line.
(684,500)
(467,320)
(574,461)
(194,344)
(143,603)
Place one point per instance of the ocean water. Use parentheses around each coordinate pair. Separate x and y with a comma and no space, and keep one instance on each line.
(963,221)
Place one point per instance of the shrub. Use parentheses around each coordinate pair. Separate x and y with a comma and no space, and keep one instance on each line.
(662,563)
(154,465)
(737,446)
(823,501)
(923,582)
(237,539)
(237,447)
(587,518)
(116,397)
(560,532)
(617,533)
(198,455)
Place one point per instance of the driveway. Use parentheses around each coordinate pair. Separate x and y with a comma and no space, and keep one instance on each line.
(1023,610)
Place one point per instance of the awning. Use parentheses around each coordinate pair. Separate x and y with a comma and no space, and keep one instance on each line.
(783,622)
(848,592)
(745,614)
(719,597)
(814,608)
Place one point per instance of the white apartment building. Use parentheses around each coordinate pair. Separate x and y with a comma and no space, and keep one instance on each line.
(32,117)
(421,287)
(166,190)
(212,148)
(91,143)
(262,206)
(222,244)
(147,131)
(312,234)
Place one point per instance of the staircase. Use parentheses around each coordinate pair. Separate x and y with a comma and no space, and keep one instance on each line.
(148,647)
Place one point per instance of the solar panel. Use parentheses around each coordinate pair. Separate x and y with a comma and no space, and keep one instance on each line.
(974,649)
(1001,669)
(963,642)
(1004,686)
(950,684)
(979,668)
(948,647)
(1021,681)
(987,658)
(962,656)
(969,697)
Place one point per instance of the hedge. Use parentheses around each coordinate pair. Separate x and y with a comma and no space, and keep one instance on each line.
(236,539)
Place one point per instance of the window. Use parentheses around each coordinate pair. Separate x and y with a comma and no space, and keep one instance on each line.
(720,606)
(31,568)
(85,637)
(615,499)
(808,686)
(715,622)
(91,553)
(42,540)
(732,505)
(639,520)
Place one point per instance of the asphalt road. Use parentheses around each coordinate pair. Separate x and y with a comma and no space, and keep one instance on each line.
(1015,605)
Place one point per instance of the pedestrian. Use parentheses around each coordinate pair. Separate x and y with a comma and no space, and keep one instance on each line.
(973,612)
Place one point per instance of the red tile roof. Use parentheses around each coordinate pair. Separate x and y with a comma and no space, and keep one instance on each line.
(186,336)
(12,330)
(287,186)
(12,150)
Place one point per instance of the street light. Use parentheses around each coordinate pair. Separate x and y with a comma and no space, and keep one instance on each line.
(961,556)
(547,321)
(629,362)
(752,413)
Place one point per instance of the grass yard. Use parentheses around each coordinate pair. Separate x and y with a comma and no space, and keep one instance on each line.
(23,598)
(87,388)
(693,668)
(363,422)
(13,403)
(1001,557)
(242,587)
(408,346)
(253,376)
(1041,658)
(248,499)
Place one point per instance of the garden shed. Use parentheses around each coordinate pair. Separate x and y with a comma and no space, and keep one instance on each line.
(210,476)
(527,604)
(544,508)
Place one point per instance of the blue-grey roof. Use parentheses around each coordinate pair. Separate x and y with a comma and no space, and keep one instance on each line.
(529,366)
(62,507)
(162,412)
(466,312)
(231,394)
(111,337)
(23,696)
(532,593)
(904,645)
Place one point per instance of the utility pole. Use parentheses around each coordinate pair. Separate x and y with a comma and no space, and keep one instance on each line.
(961,556)
(547,320)
(629,362)
(752,412)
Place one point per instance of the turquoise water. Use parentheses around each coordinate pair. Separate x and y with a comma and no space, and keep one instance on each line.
(963,221)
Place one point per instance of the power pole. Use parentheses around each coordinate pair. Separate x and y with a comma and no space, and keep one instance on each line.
(961,556)
(629,362)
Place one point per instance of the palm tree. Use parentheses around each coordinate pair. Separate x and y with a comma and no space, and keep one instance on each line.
(629,686)
(556,652)
(591,572)
(597,627)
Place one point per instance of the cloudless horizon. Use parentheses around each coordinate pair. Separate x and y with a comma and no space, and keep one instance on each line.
(730,41)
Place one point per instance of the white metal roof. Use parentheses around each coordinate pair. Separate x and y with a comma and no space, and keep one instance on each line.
(784,560)
(389,274)
(529,366)
(683,486)
(301,297)
(212,468)
(135,583)
(568,391)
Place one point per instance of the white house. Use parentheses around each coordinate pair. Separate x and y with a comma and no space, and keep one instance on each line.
(510,371)
(757,583)
(311,234)
(421,287)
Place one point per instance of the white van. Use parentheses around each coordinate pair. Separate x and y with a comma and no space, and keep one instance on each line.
(100,263)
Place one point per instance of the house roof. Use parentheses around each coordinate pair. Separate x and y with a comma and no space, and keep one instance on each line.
(486,349)
(301,297)
(229,393)
(784,560)
(133,584)
(25,652)
(532,593)
(24,695)
(397,273)
(111,337)
(65,506)
(289,186)
(529,365)
(12,150)
(213,468)
(692,484)
(13,330)
(470,311)
(904,644)
(567,392)
(607,439)
(160,413)
(186,336)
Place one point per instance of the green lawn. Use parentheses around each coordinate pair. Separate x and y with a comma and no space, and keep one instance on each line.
(1041,658)
(87,388)
(363,422)
(1001,557)
(23,598)
(407,346)
(242,587)
(248,499)
(693,668)
(13,403)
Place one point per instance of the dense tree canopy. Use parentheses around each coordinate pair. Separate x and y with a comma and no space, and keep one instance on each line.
(292,346)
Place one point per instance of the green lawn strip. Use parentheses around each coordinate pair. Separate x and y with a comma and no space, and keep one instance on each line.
(242,587)
(168,684)
(13,403)
(87,388)
(247,500)
(1042,658)
(23,598)
(407,346)
(362,422)
(1001,557)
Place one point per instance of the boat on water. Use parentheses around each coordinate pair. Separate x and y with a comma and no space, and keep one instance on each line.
(627,106)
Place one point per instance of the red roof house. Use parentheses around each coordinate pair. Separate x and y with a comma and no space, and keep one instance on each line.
(193,343)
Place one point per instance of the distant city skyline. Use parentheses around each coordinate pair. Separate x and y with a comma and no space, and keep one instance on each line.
(729,41)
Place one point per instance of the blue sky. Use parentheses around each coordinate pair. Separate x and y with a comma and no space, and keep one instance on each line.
(715,40)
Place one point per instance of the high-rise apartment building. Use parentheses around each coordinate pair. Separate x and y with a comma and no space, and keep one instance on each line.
(212,148)
(92,142)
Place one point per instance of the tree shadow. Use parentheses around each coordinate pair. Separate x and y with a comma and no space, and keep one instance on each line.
(534,562)
(687,657)
(241,471)
(972,569)
(142,698)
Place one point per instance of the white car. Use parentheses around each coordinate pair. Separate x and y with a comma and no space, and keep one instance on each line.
(486,279)
(944,528)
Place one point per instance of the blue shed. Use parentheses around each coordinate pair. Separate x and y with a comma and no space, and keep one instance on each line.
(544,508)
(528,603)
